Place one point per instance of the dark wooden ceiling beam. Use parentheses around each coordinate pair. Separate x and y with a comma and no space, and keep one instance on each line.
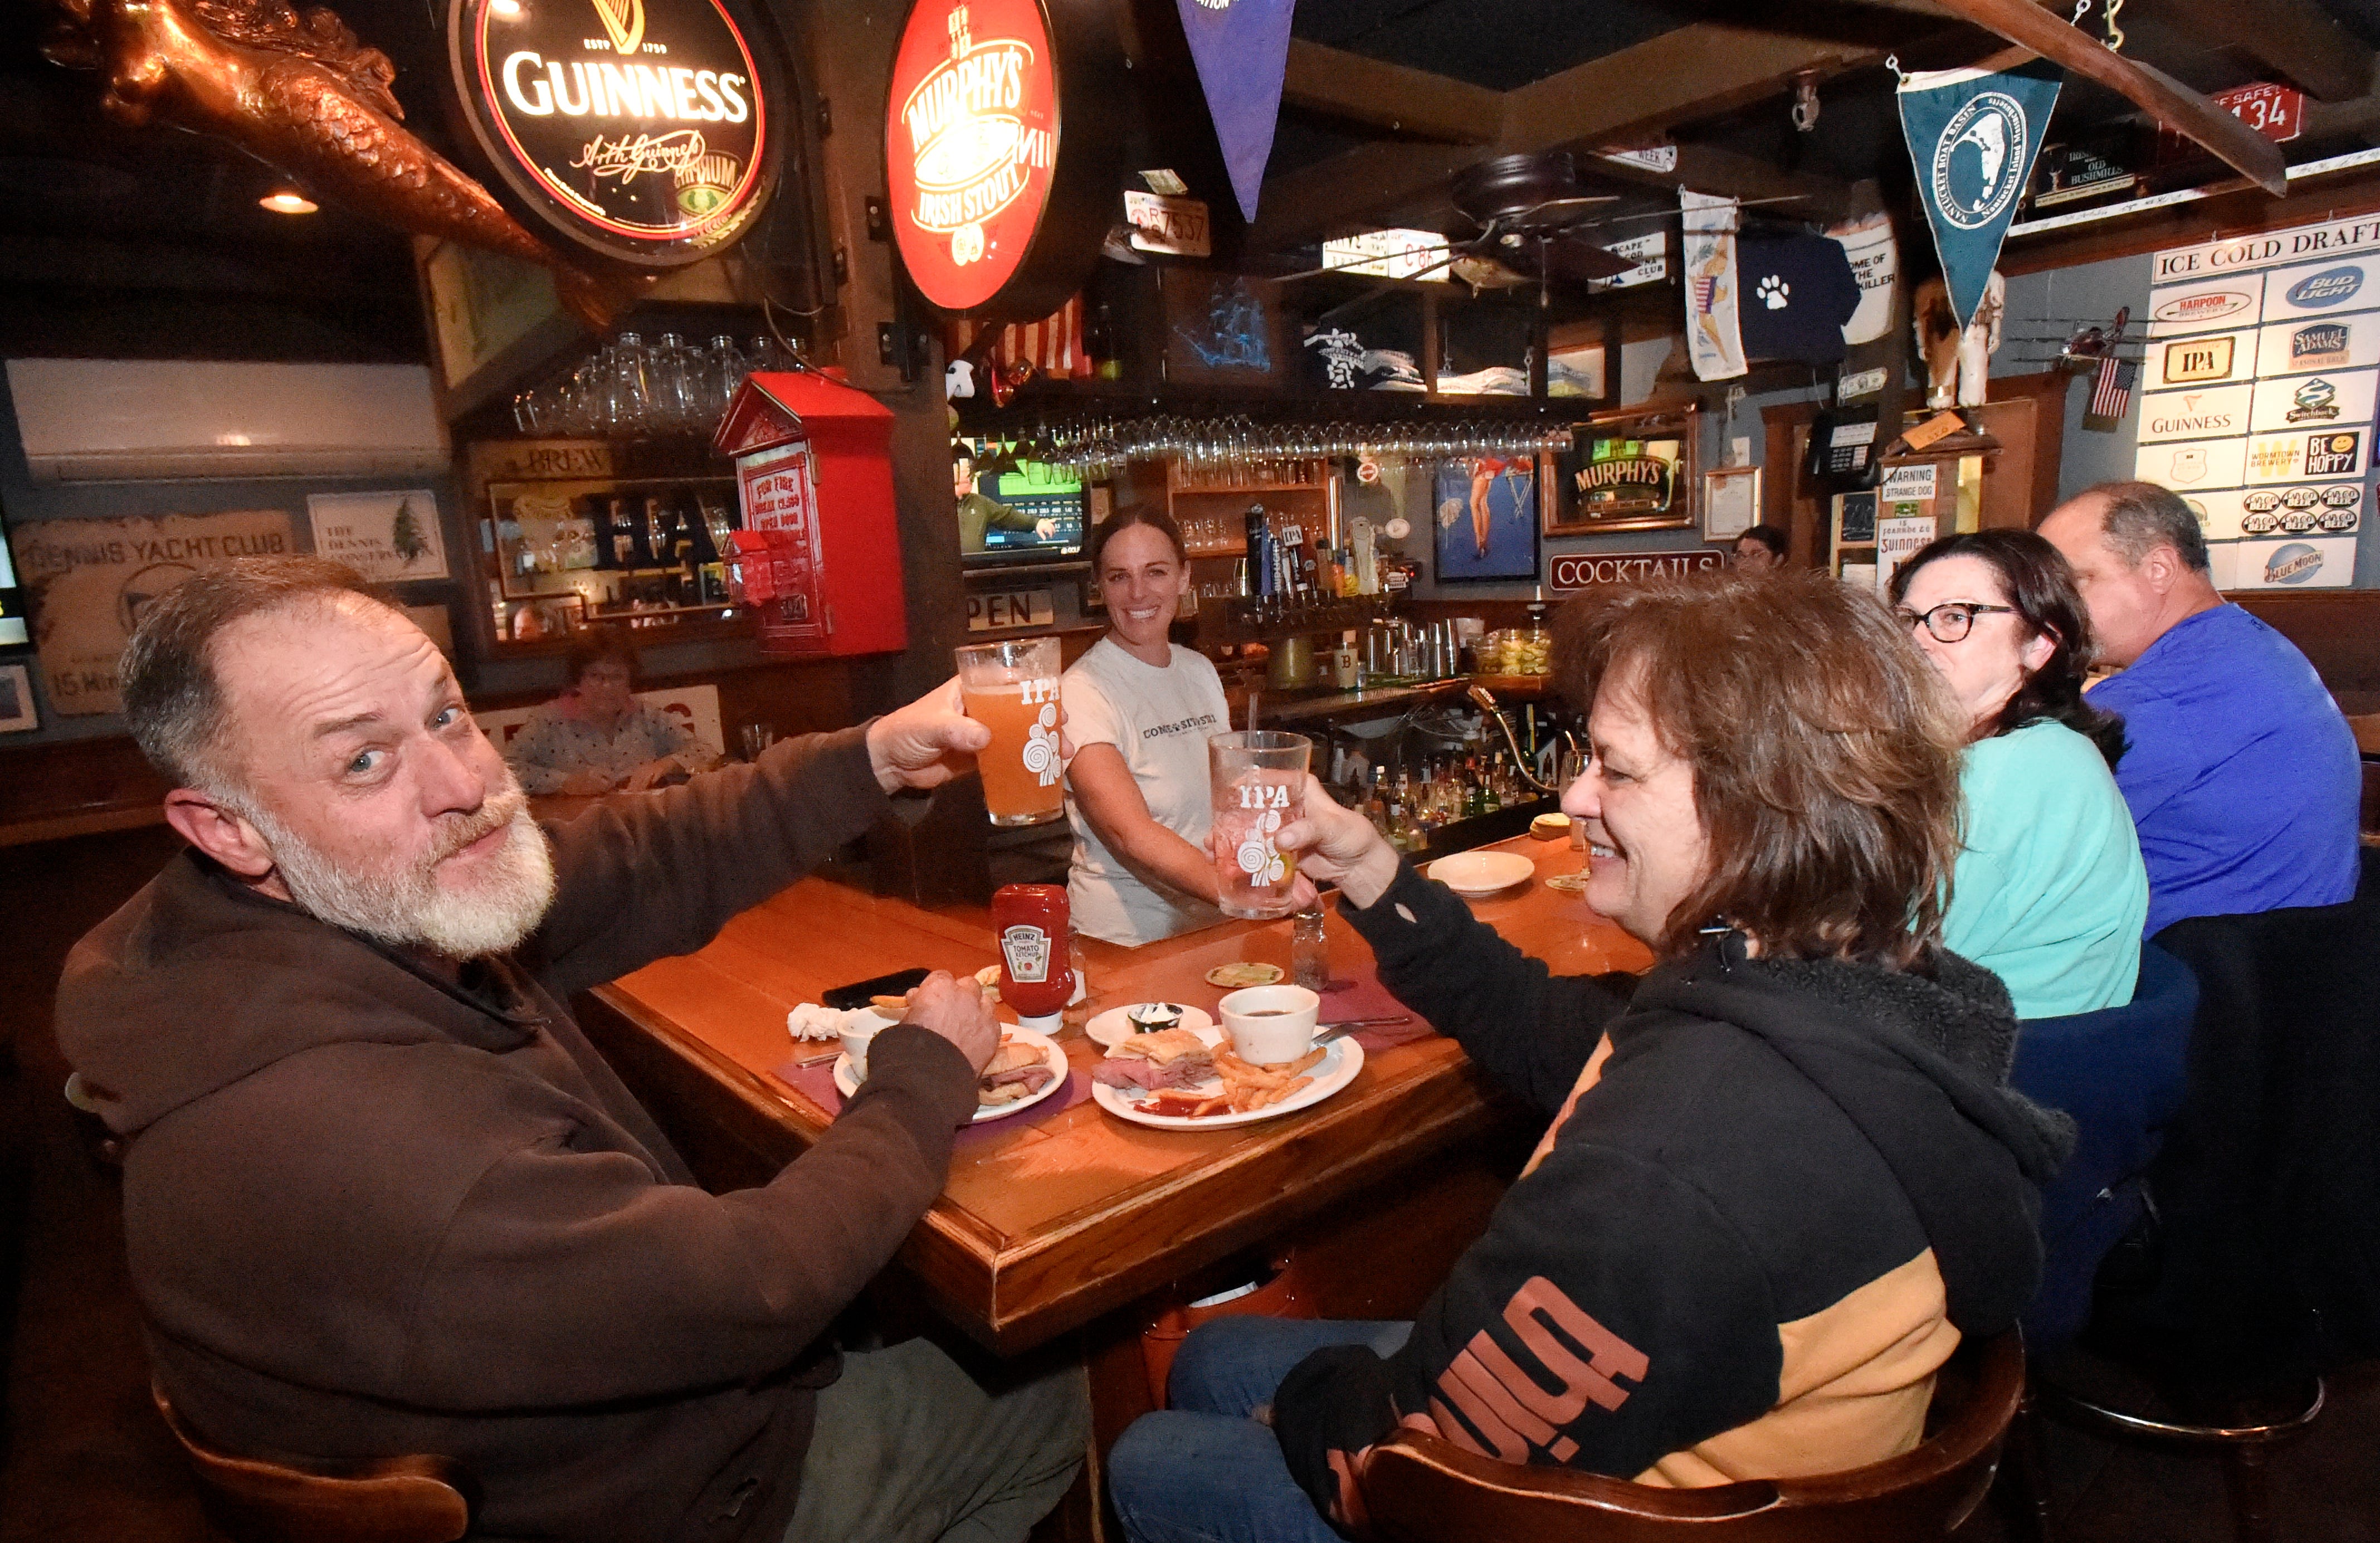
(2161,96)
(1728,173)
(1389,98)
(1693,72)
(2297,38)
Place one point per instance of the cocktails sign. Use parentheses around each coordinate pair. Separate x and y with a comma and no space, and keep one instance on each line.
(980,133)
(644,131)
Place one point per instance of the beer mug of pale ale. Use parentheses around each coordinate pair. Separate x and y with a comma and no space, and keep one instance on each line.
(1259,785)
(1011,689)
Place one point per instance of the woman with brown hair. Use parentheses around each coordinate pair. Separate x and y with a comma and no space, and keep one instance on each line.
(1784,1173)
(2050,893)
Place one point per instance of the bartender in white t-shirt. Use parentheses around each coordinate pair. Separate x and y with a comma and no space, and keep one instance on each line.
(1139,711)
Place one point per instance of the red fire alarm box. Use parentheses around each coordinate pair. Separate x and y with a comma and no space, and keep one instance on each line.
(820,554)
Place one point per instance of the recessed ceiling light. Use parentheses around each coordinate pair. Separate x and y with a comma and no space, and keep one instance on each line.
(289,201)
(504,8)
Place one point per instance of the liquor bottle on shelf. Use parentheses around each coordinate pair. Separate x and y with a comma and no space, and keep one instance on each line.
(1102,342)
(625,536)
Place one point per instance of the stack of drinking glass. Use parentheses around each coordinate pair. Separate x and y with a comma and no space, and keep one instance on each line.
(630,389)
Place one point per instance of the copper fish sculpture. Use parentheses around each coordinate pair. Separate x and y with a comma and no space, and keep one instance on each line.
(299,92)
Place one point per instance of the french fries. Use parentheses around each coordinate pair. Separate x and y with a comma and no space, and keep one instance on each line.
(1246,1087)
(1250,1087)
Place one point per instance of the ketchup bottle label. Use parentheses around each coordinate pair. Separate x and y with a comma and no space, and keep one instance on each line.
(1026,949)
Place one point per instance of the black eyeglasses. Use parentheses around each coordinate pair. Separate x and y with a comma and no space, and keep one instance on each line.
(1950,621)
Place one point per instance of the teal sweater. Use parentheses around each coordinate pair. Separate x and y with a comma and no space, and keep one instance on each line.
(2050,893)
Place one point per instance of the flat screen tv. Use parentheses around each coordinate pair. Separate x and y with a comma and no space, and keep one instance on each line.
(1012,511)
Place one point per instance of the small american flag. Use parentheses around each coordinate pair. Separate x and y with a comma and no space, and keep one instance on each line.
(2112,393)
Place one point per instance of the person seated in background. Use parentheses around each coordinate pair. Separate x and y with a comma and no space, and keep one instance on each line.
(2050,894)
(1783,1179)
(2241,774)
(978,514)
(596,737)
(1761,547)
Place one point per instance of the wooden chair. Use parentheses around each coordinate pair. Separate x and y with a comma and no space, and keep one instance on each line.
(395,1500)
(1421,1489)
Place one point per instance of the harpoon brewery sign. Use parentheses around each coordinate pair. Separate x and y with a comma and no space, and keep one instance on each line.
(644,131)
(999,184)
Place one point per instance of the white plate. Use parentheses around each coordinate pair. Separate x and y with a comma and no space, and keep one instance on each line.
(1481,872)
(1112,1027)
(1053,1056)
(1342,1059)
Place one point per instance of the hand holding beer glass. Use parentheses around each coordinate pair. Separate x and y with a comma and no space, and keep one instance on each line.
(1260,787)
(1011,689)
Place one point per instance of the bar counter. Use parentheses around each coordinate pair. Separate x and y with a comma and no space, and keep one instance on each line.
(1048,1224)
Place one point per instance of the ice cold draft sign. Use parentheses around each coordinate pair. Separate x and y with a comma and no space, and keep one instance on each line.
(643,132)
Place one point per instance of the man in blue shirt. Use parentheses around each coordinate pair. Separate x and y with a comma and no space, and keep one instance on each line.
(2241,775)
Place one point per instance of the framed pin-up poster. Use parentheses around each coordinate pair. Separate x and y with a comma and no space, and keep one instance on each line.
(1485,509)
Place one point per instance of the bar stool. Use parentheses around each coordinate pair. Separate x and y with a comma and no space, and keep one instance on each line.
(2260,1267)
(1418,1488)
(2122,1074)
(394,1500)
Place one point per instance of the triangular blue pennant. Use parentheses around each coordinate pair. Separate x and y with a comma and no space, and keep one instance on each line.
(1974,137)
(1242,51)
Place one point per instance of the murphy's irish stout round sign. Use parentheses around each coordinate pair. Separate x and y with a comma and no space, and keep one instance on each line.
(644,131)
(998,181)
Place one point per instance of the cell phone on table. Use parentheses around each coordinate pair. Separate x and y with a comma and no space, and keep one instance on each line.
(899,983)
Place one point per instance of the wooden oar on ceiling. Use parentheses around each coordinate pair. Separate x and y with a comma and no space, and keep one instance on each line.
(2154,92)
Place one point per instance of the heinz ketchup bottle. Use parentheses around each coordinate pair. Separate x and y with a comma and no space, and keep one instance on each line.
(1036,976)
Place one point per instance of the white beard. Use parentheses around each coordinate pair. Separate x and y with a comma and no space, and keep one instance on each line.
(409,906)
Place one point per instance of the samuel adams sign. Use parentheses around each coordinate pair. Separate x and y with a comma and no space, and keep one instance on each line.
(644,131)
(1000,152)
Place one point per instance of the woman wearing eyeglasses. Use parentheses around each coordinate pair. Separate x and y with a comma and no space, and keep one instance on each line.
(2048,893)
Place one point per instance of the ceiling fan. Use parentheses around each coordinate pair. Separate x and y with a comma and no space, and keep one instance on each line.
(1530,220)
(1534,224)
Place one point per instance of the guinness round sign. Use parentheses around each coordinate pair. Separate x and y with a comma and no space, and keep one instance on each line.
(644,131)
(999,151)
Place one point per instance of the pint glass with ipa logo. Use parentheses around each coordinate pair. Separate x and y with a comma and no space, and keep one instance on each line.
(1260,787)
(1011,689)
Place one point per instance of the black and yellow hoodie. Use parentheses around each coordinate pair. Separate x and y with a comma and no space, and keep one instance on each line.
(1774,1197)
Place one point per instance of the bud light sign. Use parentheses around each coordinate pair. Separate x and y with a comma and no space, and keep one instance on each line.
(2331,288)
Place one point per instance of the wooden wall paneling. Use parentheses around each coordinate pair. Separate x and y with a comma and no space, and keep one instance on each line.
(1784,500)
(2338,630)
(2048,391)
(76,786)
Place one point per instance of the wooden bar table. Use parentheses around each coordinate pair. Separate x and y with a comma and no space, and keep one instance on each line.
(1045,1226)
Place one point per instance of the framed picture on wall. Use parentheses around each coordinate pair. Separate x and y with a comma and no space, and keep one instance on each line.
(1627,471)
(1731,502)
(1485,511)
(17,713)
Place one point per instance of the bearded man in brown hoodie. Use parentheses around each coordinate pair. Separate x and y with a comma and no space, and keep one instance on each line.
(382,1197)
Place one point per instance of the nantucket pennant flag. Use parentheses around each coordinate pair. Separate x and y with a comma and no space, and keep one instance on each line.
(1242,51)
(1973,136)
